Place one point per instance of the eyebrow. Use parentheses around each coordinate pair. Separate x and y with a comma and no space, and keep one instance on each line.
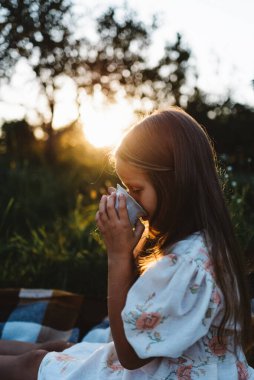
(132,184)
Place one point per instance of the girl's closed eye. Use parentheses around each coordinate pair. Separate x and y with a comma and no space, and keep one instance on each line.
(135,191)
(132,190)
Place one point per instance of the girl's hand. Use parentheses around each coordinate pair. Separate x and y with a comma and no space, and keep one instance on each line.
(111,189)
(119,236)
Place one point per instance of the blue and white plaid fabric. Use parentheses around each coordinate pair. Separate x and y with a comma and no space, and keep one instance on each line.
(39,315)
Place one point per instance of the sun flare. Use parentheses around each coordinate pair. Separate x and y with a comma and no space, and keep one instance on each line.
(104,123)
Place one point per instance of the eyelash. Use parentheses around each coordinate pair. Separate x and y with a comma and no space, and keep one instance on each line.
(135,191)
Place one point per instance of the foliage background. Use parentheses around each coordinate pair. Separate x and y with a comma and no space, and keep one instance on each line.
(50,187)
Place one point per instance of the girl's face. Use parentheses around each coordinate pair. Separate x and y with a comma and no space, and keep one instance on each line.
(138,186)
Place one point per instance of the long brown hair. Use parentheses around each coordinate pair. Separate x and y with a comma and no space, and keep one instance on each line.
(178,156)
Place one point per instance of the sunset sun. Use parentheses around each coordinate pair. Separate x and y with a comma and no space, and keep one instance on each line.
(104,123)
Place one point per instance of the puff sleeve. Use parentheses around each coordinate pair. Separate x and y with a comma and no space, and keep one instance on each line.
(170,307)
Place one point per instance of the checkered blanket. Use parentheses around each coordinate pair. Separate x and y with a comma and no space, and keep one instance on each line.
(39,315)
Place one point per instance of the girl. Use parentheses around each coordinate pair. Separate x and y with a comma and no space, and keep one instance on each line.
(177,300)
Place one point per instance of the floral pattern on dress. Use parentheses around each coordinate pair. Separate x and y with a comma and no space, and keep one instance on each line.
(215,301)
(145,322)
(242,371)
(184,372)
(180,360)
(218,348)
(216,297)
(194,288)
(203,251)
(113,364)
(172,259)
(185,369)
(215,347)
(204,260)
(208,266)
(63,359)
(147,319)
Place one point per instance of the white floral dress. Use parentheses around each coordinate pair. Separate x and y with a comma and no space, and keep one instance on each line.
(171,313)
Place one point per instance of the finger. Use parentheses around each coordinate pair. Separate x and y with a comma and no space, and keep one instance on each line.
(111,189)
(122,209)
(99,223)
(97,217)
(139,229)
(103,208)
(112,213)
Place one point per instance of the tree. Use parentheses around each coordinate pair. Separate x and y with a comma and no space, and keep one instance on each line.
(18,139)
(119,60)
(42,32)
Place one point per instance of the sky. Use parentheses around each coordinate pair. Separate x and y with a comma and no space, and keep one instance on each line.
(220,34)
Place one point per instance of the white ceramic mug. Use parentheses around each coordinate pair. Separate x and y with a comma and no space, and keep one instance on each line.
(135,211)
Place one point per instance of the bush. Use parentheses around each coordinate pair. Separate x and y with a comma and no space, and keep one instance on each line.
(239,194)
(48,235)
(70,255)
